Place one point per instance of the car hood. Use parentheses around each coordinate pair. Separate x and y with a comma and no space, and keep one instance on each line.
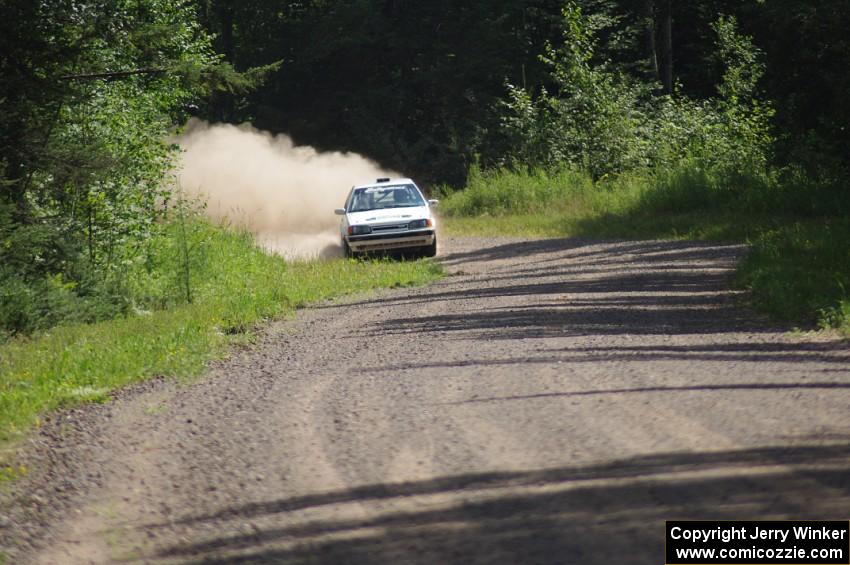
(389,215)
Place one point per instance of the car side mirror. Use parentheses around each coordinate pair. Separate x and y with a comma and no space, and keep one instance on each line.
(340,211)
(433,203)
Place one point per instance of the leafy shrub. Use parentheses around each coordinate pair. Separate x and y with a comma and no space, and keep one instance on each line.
(590,122)
(26,306)
(45,279)
(599,121)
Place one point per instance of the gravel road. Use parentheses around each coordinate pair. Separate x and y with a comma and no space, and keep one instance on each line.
(548,402)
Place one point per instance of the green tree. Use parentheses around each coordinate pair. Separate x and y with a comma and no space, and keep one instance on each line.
(591,121)
(89,92)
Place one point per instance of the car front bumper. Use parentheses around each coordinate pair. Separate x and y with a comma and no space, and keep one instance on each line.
(378,242)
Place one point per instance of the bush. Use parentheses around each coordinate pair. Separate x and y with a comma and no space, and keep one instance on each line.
(601,122)
(28,306)
(46,279)
(592,122)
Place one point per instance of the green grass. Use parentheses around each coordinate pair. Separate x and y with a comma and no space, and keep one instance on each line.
(234,286)
(799,266)
(679,205)
(703,226)
(801,272)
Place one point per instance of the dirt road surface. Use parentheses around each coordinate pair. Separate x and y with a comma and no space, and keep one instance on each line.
(548,402)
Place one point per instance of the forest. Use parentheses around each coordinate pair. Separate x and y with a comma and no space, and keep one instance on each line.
(664,116)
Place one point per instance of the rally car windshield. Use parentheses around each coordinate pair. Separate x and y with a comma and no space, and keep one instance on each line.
(382,197)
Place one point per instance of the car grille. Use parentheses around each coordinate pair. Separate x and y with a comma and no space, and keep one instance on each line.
(388,228)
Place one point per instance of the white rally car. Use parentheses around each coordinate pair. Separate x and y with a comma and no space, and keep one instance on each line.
(386,215)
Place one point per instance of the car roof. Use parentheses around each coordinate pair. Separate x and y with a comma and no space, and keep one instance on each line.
(389,182)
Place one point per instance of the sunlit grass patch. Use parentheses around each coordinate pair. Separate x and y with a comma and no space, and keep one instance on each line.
(801,272)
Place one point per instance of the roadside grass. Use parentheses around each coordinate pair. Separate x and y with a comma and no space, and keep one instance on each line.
(233,286)
(798,268)
(700,226)
(800,272)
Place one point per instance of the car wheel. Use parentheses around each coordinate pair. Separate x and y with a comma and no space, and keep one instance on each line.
(430,250)
(346,249)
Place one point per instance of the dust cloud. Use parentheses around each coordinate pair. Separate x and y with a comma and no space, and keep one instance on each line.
(284,194)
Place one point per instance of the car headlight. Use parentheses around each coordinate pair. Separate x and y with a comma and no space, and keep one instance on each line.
(420,224)
(359,230)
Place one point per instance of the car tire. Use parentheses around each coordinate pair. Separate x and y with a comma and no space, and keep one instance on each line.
(346,250)
(430,250)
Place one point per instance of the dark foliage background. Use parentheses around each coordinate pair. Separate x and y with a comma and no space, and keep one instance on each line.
(413,84)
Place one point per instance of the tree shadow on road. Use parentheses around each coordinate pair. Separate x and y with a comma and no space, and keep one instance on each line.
(593,514)
(672,290)
(652,315)
(826,353)
(577,248)
(569,287)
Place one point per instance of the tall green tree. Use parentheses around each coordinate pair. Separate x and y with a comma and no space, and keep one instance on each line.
(89,91)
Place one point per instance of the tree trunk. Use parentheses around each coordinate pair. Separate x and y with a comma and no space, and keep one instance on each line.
(16,174)
(223,101)
(666,38)
(225,18)
(649,38)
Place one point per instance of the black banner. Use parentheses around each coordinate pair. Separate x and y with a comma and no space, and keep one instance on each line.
(757,543)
